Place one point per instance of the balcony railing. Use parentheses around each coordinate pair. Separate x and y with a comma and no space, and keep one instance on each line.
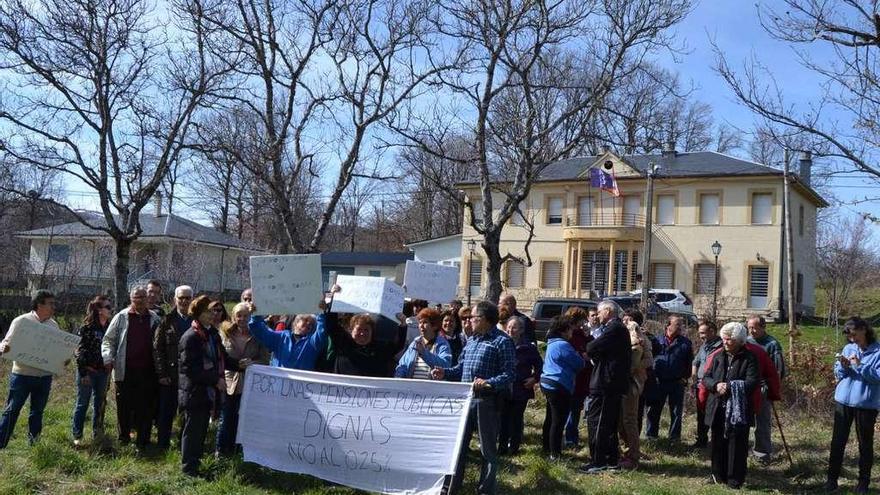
(605,220)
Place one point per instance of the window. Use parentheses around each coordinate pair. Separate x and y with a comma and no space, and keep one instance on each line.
(475,275)
(478,210)
(632,205)
(585,211)
(801,220)
(799,288)
(516,274)
(666,209)
(594,270)
(551,274)
(59,253)
(554,211)
(709,209)
(662,275)
(242,266)
(762,208)
(704,279)
(374,273)
(759,286)
(550,310)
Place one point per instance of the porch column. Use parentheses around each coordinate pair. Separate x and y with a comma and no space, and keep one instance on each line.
(566,268)
(629,263)
(579,268)
(610,289)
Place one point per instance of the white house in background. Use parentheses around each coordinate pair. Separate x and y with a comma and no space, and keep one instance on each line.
(444,250)
(367,264)
(75,258)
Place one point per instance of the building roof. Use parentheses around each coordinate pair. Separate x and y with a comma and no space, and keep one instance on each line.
(673,165)
(431,240)
(365,258)
(152,226)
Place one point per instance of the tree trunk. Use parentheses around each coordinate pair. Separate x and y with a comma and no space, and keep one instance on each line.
(120,270)
(493,287)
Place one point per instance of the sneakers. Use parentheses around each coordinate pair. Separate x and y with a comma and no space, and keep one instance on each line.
(593,468)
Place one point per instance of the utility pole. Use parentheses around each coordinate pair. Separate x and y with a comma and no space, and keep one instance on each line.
(789,259)
(649,217)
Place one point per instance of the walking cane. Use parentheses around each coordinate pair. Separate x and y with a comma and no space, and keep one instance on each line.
(782,434)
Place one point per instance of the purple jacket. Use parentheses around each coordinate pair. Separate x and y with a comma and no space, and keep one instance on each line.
(528,365)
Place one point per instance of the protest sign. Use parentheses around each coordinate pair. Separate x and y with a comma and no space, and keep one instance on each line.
(375,295)
(41,346)
(377,434)
(429,281)
(286,284)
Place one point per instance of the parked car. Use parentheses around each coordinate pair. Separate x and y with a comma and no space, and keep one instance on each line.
(655,311)
(671,300)
(546,308)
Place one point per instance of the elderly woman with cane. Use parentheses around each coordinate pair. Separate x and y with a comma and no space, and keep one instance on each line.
(730,379)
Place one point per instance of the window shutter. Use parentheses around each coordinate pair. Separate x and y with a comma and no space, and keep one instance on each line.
(631,207)
(551,274)
(475,276)
(762,207)
(516,274)
(759,286)
(709,204)
(554,211)
(704,279)
(662,276)
(666,209)
(585,211)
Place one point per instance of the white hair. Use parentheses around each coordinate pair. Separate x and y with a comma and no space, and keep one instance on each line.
(183,288)
(734,330)
(611,305)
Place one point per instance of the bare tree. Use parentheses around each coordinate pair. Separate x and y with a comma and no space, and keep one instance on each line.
(521,95)
(320,75)
(841,122)
(101,94)
(848,260)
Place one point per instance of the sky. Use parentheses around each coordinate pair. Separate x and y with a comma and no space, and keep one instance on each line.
(734,25)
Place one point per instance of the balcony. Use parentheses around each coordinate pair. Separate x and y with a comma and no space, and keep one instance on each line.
(606,227)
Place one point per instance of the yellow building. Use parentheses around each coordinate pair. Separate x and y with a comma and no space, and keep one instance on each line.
(588,242)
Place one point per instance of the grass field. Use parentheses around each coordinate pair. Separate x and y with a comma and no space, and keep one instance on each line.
(53,466)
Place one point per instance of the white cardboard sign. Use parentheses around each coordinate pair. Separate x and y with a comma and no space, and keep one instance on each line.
(375,295)
(375,434)
(430,281)
(41,346)
(286,284)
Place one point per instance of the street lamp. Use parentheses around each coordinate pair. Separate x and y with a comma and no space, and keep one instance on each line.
(716,250)
(472,248)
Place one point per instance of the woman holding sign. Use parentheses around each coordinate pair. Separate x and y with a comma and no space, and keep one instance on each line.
(429,350)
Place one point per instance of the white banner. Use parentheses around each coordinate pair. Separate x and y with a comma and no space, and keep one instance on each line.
(375,295)
(41,346)
(287,284)
(378,434)
(429,281)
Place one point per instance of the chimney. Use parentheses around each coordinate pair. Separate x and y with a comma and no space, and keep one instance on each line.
(158,204)
(805,167)
(669,148)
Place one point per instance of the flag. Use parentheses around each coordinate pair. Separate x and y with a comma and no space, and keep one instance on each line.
(604,181)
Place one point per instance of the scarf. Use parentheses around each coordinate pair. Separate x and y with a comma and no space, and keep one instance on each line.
(735,414)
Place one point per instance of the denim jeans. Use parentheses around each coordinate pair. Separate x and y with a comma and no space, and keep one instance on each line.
(20,388)
(673,393)
(168,410)
(228,428)
(96,391)
(573,422)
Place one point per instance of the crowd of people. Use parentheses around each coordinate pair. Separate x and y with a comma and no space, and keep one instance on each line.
(186,367)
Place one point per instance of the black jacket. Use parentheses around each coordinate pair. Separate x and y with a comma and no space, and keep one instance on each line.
(742,366)
(611,357)
(165,342)
(375,359)
(200,370)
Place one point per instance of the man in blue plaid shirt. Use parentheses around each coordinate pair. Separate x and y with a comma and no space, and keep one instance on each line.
(488,361)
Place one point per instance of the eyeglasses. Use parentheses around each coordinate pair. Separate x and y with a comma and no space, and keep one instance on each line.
(184,298)
(247,299)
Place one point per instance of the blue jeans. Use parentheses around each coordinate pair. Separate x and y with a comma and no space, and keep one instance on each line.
(228,424)
(573,422)
(96,391)
(20,388)
(673,393)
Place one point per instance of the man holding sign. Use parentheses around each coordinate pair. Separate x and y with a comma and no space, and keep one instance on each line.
(27,381)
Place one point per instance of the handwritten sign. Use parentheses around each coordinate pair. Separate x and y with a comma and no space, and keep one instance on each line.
(286,284)
(41,346)
(375,295)
(376,434)
(430,281)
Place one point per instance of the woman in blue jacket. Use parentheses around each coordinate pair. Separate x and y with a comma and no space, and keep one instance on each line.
(561,365)
(427,351)
(298,348)
(857,398)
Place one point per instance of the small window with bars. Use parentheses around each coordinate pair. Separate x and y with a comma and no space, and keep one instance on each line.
(551,274)
(516,274)
(704,279)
